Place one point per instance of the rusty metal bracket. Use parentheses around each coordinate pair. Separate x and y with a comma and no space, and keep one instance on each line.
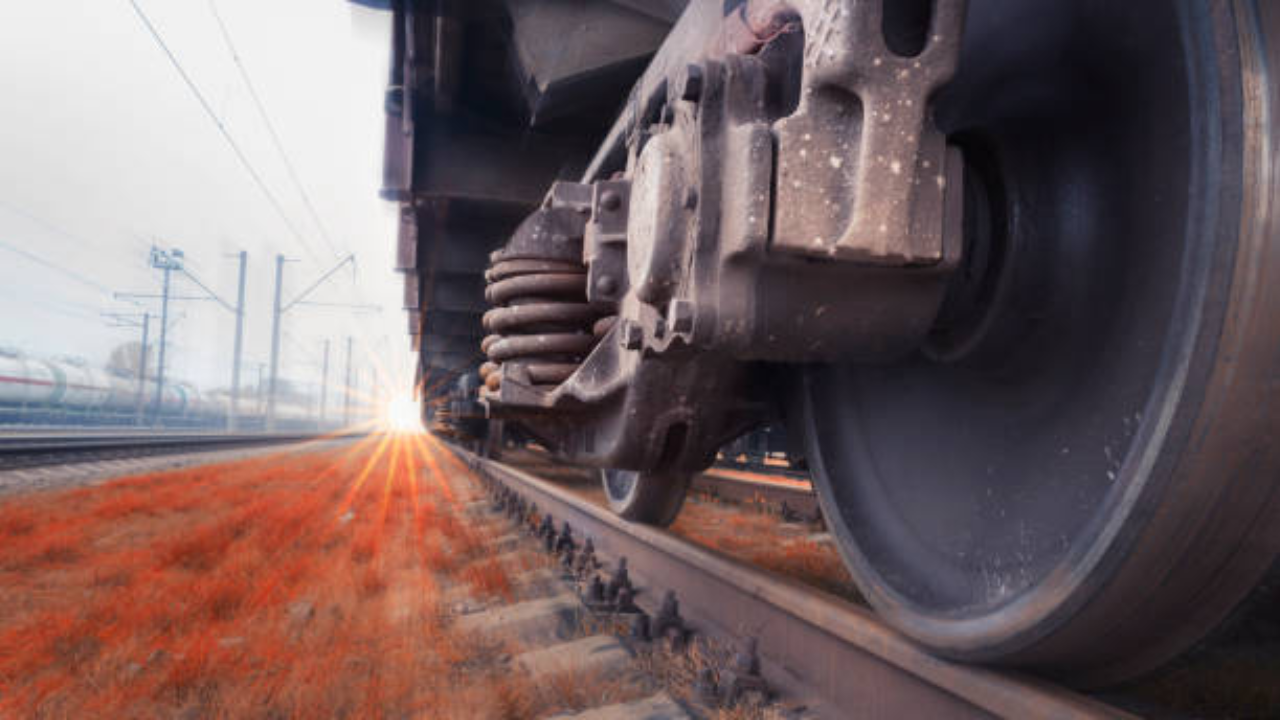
(862,169)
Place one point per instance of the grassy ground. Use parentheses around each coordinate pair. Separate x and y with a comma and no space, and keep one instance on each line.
(299,585)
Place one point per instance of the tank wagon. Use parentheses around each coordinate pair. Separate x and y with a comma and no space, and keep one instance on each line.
(1008,271)
(71,391)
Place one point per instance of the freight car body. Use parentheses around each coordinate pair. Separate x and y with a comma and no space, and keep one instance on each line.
(71,391)
(1008,271)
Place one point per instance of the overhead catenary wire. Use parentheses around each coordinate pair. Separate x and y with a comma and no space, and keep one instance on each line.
(61,269)
(279,146)
(275,135)
(81,244)
(222,128)
(271,129)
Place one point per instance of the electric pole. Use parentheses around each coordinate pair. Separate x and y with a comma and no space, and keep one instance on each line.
(142,366)
(324,381)
(142,321)
(278,314)
(275,346)
(232,415)
(346,402)
(262,384)
(168,261)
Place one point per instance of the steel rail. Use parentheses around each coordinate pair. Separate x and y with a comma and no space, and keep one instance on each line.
(812,645)
(785,499)
(34,451)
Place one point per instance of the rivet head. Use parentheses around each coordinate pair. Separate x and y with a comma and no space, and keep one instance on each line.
(610,200)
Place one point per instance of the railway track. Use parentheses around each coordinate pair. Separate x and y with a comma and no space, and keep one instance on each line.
(835,656)
(29,450)
(792,500)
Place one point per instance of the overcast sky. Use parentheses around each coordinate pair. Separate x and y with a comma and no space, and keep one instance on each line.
(104,151)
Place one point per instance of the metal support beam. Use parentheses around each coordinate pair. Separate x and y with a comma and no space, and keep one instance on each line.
(346,401)
(234,411)
(275,346)
(324,381)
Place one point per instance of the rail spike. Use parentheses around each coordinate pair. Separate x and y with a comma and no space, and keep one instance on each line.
(620,579)
(668,624)
(743,676)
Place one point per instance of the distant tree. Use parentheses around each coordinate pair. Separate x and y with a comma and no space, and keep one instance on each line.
(125,358)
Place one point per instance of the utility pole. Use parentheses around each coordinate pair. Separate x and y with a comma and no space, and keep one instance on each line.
(175,260)
(275,346)
(324,381)
(142,321)
(168,261)
(142,365)
(233,415)
(278,313)
(262,370)
(346,402)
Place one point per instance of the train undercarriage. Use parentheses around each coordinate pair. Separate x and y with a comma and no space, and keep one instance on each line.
(1006,271)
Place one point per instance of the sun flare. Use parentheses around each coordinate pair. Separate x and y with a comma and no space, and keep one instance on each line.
(402,415)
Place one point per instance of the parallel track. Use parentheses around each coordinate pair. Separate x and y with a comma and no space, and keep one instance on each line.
(789,500)
(30,450)
(812,645)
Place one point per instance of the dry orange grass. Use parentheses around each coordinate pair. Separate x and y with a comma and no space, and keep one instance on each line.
(301,585)
(765,541)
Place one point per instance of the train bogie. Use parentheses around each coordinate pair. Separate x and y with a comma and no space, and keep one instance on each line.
(1005,271)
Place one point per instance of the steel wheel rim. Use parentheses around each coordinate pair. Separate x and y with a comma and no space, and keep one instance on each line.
(880,518)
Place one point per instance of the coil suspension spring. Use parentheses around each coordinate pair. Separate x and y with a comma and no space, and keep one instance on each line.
(541,325)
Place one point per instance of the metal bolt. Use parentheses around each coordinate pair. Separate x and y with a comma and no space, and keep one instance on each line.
(689,83)
(610,200)
(639,626)
(743,677)
(632,335)
(680,316)
(606,285)
(595,591)
(706,688)
(625,603)
(668,623)
(620,579)
(565,541)
(747,660)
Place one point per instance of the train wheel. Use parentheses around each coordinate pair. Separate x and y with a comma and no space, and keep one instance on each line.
(650,498)
(1081,470)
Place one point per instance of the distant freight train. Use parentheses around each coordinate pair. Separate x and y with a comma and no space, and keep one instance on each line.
(70,391)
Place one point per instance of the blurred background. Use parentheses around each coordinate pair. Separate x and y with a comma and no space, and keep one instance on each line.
(143,139)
